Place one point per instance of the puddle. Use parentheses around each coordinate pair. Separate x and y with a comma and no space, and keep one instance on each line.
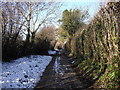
(57,66)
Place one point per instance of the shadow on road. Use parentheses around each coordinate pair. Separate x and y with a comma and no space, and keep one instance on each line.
(59,74)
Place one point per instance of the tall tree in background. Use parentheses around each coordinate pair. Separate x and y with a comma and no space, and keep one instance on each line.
(47,33)
(72,19)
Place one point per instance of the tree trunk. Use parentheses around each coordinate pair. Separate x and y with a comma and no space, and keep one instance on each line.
(33,38)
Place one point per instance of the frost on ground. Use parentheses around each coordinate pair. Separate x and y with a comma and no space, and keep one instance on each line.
(56,51)
(51,52)
(24,72)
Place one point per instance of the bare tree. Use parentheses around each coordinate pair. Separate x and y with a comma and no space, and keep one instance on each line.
(11,20)
(47,32)
(37,14)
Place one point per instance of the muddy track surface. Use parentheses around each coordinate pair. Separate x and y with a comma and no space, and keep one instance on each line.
(59,74)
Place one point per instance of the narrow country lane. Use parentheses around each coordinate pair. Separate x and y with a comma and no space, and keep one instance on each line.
(59,74)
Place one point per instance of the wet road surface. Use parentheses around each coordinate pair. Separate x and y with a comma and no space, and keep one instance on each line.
(59,74)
